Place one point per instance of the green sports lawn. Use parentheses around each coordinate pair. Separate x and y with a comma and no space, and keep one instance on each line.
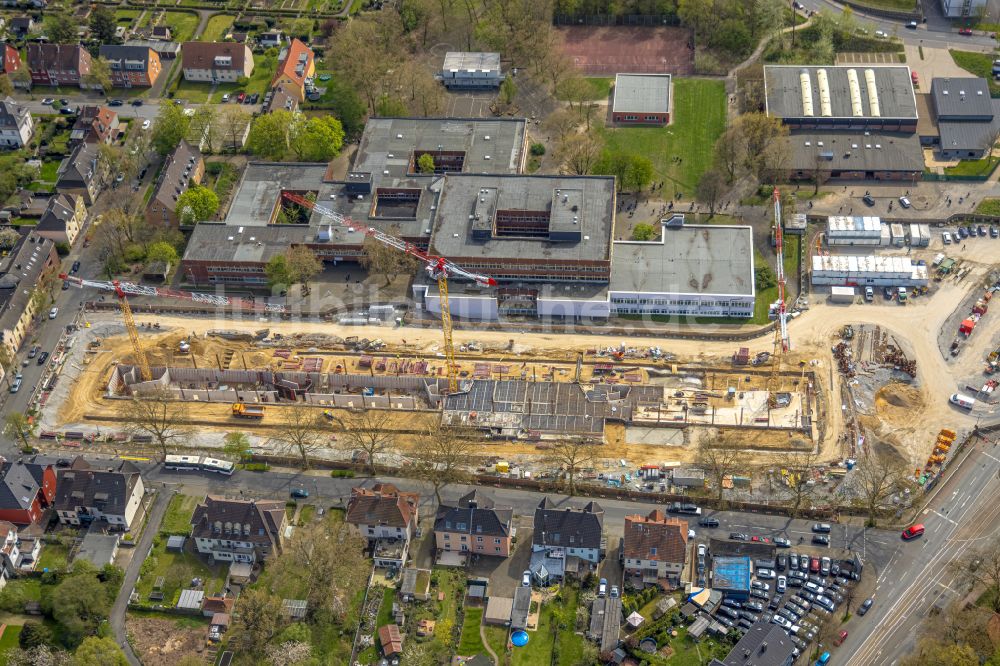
(699,117)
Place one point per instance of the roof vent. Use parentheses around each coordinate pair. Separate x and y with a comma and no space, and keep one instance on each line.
(487,137)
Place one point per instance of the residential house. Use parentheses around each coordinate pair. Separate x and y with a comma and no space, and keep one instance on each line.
(10,59)
(387,519)
(763,644)
(273,39)
(297,63)
(655,548)
(63,218)
(20,26)
(112,494)
(284,97)
(161,33)
(474,524)
(237,530)
(82,173)
(216,62)
(184,166)
(94,124)
(23,267)
(26,490)
(16,553)
(565,540)
(166,50)
(58,64)
(16,124)
(132,66)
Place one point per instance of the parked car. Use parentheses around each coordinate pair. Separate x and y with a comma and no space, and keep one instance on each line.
(982,231)
(75,267)
(760,594)
(63,462)
(16,386)
(225,98)
(865,605)
(239,98)
(67,110)
(946,237)
(793,562)
(965,31)
(821,539)
(765,574)
(526,578)
(53,313)
(814,564)
(782,542)
(824,567)
(841,637)
(904,202)
(709,522)
(116,102)
(913,531)
(994,232)
(33,351)
(136,102)
(757,585)
(42,358)
(822,528)
(732,603)
(760,539)
(962,232)
(300,492)
(869,200)
(754,606)
(602,587)
(738,536)
(614,592)
(781,562)
(781,585)
(912,25)
(146,123)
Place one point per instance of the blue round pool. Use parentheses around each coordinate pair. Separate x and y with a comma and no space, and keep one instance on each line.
(519,638)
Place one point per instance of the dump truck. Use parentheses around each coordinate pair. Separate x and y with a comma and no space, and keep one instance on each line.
(241,410)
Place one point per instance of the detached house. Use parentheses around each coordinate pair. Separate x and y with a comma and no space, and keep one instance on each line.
(566,540)
(184,166)
(26,489)
(387,519)
(16,124)
(474,525)
(58,64)
(132,66)
(63,218)
(235,530)
(85,494)
(297,64)
(655,548)
(216,62)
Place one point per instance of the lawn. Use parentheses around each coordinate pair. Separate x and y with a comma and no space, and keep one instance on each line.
(497,639)
(972,168)
(540,643)
(216,28)
(9,639)
(182,25)
(177,570)
(450,583)
(385,609)
(989,206)
(898,5)
(471,642)
(49,171)
(570,644)
(177,520)
(979,64)
(307,514)
(126,16)
(54,557)
(682,151)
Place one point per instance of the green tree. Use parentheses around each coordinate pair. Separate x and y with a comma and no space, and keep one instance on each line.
(643,232)
(61,28)
(317,140)
(276,271)
(19,428)
(426,163)
(236,445)
(346,105)
(79,603)
(633,172)
(8,238)
(34,634)
(303,265)
(163,251)
(6,86)
(711,186)
(508,90)
(764,277)
(269,135)
(100,74)
(197,204)
(94,651)
(170,128)
(103,24)
(391,107)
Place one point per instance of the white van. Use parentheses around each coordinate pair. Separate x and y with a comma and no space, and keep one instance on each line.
(946,237)
(962,400)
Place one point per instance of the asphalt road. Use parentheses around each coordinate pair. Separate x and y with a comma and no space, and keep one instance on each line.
(148,111)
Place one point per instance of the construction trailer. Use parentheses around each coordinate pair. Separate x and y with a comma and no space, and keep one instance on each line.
(868,270)
(853,230)
(842,294)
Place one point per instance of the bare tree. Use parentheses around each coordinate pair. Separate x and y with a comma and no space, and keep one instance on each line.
(443,454)
(580,151)
(729,153)
(572,455)
(301,431)
(387,261)
(368,431)
(877,478)
(982,567)
(561,123)
(330,557)
(156,415)
(256,620)
(720,459)
(19,428)
(233,122)
(796,486)
(711,186)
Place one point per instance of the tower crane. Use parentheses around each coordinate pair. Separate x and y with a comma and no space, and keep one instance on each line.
(124,289)
(438,268)
(782,343)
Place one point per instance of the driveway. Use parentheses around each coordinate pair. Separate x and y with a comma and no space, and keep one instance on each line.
(505,573)
(936,63)
(132,573)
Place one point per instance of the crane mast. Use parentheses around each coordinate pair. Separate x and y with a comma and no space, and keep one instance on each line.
(438,268)
(782,343)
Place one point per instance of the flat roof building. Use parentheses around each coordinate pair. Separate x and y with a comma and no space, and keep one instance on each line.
(464,69)
(731,575)
(642,99)
(867,270)
(968,118)
(854,155)
(869,97)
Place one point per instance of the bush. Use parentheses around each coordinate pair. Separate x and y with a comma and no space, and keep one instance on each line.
(62,248)
(134,252)
(538,149)
(256,467)
(214,168)
(342,474)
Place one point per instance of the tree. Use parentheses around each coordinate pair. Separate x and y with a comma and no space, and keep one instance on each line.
(196,204)
(233,121)
(508,91)
(34,634)
(303,265)
(41,655)
(387,261)
(269,134)
(390,106)
(61,28)
(643,232)
(632,172)
(99,75)
(711,186)
(8,238)
(561,123)
(289,653)
(798,485)
(276,271)
(301,431)
(236,445)
(931,651)
(79,603)
(103,24)
(579,152)
(94,651)
(317,140)
(367,431)
(576,90)
(163,251)
(720,459)
(21,77)
(572,455)
(877,477)
(367,50)
(426,163)
(981,567)
(762,138)
(255,620)
(821,172)
(170,128)
(18,427)
(6,86)
(332,555)
(729,153)
(206,125)
(157,415)
(442,455)
(764,277)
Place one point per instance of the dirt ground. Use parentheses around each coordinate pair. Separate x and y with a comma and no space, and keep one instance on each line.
(607,50)
(162,642)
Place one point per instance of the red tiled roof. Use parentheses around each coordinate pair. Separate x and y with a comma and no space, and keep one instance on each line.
(383,504)
(201,55)
(667,535)
(289,66)
(391,639)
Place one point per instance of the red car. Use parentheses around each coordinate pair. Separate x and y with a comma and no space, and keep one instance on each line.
(814,564)
(760,539)
(913,531)
(965,31)
(239,98)
(840,638)
(915,78)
